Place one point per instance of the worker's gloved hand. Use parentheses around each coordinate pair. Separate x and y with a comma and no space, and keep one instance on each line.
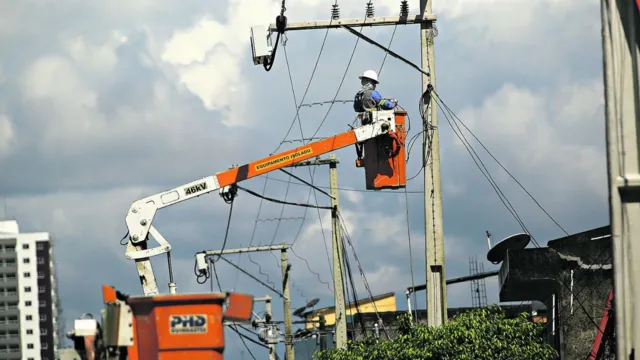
(395,102)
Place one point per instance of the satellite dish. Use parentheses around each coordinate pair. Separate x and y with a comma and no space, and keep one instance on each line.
(299,311)
(514,242)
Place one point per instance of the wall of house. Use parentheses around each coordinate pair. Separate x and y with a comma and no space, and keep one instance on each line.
(387,304)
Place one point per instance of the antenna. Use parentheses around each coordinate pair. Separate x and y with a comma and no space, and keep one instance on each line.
(488,238)
(514,242)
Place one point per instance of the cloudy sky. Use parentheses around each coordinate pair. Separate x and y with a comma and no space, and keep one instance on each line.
(104,103)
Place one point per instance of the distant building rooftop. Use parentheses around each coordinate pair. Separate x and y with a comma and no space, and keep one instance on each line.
(9,227)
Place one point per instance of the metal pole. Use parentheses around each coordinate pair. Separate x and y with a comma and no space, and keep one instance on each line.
(288,326)
(435,269)
(268,318)
(323,335)
(620,42)
(341,318)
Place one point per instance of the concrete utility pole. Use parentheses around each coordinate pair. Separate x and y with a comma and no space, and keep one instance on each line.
(620,29)
(338,259)
(285,294)
(288,326)
(434,246)
(435,269)
(269,319)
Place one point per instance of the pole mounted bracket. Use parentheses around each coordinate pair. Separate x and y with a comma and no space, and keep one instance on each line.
(629,187)
(388,51)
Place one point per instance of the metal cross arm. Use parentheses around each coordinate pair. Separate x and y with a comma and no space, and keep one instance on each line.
(369,21)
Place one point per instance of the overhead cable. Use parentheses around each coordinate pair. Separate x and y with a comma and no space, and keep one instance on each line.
(280,201)
(351,282)
(364,278)
(281,24)
(312,190)
(450,112)
(387,50)
(296,116)
(344,75)
(309,268)
(306,183)
(501,166)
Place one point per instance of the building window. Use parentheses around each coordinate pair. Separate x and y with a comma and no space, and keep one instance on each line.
(42,303)
(40,260)
(31,358)
(40,246)
(26,260)
(29,332)
(43,318)
(27,289)
(43,331)
(25,246)
(29,317)
(29,346)
(41,289)
(44,346)
(27,303)
(27,274)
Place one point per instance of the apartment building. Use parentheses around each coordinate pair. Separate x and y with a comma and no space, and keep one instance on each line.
(27,295)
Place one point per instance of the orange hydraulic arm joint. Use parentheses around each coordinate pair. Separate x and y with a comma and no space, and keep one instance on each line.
(379,141)
(171,327)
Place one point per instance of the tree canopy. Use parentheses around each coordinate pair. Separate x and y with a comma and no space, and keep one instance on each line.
(480,334)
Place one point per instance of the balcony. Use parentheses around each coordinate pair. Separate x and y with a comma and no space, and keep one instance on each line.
(9,340)
(8,297)
(10,324)
(10,354)
(8,268)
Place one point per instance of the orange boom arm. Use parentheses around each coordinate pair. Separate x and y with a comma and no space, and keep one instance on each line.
(286,158)
(381,136)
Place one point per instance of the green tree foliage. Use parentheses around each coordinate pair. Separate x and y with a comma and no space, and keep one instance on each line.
(480,334)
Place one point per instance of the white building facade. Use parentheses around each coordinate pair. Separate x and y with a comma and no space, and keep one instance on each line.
(28,298)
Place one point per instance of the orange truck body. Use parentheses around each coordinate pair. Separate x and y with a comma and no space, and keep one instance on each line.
(182,326)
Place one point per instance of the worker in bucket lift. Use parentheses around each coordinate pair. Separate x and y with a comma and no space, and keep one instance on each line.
(368,98)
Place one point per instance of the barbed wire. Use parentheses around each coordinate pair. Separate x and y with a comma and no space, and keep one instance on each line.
(320,103)
(303,140)
(298,218)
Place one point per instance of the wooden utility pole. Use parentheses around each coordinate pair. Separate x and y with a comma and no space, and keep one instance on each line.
(621,55)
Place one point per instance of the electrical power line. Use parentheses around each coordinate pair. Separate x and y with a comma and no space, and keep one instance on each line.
(344,75)
(502,167)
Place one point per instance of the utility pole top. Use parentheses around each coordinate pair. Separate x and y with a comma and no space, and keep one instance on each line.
(372,21)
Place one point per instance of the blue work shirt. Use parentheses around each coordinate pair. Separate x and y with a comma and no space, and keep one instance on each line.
(377,99)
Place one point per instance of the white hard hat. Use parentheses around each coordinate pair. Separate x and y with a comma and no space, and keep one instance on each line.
(370,74)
